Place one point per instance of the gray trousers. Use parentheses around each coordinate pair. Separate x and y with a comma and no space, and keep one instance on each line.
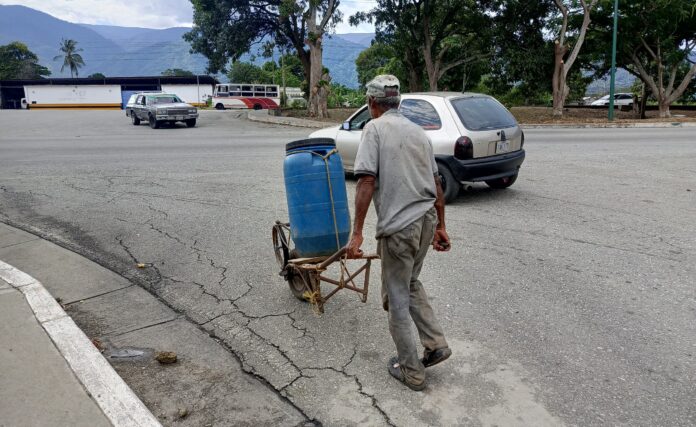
(402,256)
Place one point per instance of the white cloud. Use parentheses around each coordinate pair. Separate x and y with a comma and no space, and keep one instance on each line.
(140,13)
(155,13)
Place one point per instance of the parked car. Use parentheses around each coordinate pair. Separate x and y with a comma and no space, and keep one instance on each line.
(158,108)
(475,138)
(620,99)
(131,100)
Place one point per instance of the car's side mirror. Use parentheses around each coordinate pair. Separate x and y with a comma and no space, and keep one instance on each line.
(346,126)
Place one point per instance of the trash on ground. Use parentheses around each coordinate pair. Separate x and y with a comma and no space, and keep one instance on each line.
(165,357)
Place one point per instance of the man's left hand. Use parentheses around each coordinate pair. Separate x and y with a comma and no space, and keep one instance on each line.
(441,241)
(353,249)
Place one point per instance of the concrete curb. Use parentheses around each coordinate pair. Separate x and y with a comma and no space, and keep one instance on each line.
(298,122)
(118,402)
(287,121)
(608,125)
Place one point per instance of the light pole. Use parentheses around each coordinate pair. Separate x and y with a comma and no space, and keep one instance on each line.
(613,61)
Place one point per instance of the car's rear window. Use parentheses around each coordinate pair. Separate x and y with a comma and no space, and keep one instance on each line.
(421,113)
(482,113)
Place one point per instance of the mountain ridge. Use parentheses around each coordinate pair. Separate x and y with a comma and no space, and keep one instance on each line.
(117,51)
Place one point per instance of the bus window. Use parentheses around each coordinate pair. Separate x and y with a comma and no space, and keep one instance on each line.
(247,91)
(272,91)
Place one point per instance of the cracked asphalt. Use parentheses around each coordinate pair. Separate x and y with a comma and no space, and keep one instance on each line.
(567,299)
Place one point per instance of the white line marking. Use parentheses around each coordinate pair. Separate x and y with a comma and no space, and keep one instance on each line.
(118,402)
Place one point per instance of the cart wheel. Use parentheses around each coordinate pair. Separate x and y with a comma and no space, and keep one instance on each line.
(280,246)
(296,280)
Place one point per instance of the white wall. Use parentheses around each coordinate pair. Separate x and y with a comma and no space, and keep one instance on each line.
(193,94)
(73,95)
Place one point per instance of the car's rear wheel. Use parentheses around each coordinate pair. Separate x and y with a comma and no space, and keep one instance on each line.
(191,123)
(154,124)
(219,106)
(450,186)
(502,183)
(135,119)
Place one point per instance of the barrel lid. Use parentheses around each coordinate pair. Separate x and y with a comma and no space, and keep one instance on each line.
(310,142)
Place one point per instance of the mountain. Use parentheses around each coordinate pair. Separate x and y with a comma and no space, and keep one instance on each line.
(42,33)
(134,51)
(362,39)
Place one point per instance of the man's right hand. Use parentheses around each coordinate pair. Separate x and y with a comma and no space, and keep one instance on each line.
(353,249)
(441,241)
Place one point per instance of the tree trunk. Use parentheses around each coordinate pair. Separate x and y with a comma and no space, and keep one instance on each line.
(663,105)
(560,89)
(318,81)
(414,73)
(643,100)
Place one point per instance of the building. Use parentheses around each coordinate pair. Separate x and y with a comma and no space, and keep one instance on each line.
(107,93)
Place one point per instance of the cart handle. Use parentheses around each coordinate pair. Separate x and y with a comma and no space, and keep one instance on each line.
(333,258)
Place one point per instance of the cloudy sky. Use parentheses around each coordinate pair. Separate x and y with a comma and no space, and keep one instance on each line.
(153,13)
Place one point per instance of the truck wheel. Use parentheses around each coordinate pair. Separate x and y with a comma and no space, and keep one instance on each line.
(450,186)
(191,123)
(154,124)
(502,183)
(219,106)
(135,119)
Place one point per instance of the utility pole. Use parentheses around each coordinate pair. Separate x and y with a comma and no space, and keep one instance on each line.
(282,73)
(613,61)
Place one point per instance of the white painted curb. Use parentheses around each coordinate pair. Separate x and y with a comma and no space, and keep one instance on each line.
(118,402)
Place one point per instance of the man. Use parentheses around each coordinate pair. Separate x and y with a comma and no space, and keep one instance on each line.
(396,167)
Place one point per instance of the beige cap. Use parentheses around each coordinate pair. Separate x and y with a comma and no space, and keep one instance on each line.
(383,86)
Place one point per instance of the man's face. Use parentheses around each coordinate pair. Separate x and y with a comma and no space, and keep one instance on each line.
(372,106)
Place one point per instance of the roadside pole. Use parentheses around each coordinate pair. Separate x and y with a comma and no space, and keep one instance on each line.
(613,61)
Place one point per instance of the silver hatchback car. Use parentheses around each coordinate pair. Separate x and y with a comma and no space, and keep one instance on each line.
(475,138)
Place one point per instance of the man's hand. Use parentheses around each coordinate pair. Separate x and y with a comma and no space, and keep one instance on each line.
(353,249)
(441,241)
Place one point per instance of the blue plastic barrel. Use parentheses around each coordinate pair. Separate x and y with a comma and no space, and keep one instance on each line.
(316,222)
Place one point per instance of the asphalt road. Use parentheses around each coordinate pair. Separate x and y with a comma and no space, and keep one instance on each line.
(567,299)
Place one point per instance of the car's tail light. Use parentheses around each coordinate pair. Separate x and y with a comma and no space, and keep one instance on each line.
(464,148)
(522,142)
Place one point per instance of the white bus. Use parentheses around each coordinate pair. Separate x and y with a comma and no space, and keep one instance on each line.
(246,96)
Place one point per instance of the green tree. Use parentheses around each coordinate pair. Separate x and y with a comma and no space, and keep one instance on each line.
(521,61)
(96,76)
(377,59)
(71,58)
(177,72)
(244,72)
(18,62)
(657,41)
(225,30)
(432,36)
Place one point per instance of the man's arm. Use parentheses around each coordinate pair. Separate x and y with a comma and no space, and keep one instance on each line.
(363,197)
(441,241)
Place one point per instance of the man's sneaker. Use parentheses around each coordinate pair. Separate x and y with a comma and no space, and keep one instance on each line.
(434,357)
(396,372)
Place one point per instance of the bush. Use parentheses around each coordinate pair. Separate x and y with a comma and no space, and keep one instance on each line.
(298,104)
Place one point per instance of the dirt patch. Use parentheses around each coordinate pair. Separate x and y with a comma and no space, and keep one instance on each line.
(539,115)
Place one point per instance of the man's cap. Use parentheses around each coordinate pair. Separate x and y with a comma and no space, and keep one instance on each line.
(383,86)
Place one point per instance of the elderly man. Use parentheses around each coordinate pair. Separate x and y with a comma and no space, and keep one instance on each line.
(396,168)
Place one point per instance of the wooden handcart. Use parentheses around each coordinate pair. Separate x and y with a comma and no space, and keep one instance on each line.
(306,275)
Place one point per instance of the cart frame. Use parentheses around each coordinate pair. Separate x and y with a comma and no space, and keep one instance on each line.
(305,275)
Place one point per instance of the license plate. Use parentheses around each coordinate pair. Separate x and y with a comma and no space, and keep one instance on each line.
(502,146)
(180,117)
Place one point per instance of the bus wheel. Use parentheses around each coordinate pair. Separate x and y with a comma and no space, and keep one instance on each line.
(257,106)
(219,107)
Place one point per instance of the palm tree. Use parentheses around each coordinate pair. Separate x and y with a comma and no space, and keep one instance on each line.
(71,58)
